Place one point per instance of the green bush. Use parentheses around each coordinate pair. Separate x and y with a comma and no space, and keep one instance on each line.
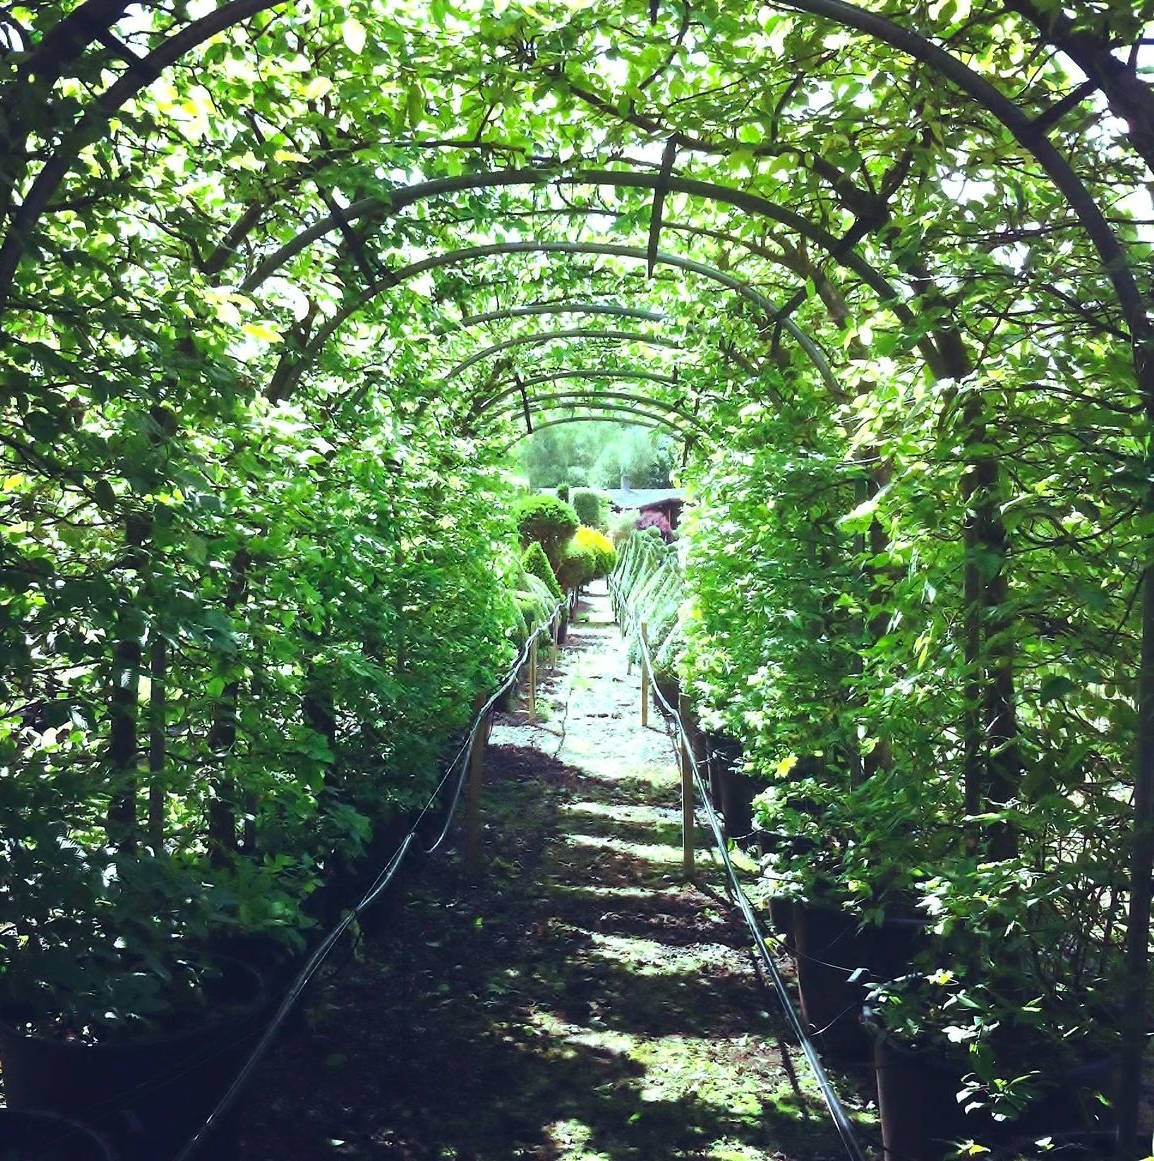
(563,493)
(536,602)
(548,521)
(536,563)
(577,566)
(592,508)
(602,547)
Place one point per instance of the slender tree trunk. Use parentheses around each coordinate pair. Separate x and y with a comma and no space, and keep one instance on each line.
(222,830)
(1135,1008)
(157,738)
(880,758)
(123,743)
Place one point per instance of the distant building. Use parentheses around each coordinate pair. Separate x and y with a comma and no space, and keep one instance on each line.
(667,501)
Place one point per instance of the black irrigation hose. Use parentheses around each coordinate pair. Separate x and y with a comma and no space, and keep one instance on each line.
(303,978)
(837,1111)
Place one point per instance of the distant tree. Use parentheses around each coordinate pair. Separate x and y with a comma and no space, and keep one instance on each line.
(596,455)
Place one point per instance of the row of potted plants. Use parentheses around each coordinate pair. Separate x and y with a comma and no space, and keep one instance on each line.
(228,690)
(950,765)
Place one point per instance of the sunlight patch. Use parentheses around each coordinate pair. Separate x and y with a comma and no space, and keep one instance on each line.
(573,1137)
(650,852)
(609,892)
(647,957)
(646,815)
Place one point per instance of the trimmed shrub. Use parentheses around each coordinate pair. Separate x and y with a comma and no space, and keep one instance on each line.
(603,550)
(577,566)
(536,563)
(592,508)
(535,602)
(548,521)
(563,493)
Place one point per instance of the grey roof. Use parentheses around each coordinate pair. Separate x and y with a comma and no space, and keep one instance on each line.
(642,497)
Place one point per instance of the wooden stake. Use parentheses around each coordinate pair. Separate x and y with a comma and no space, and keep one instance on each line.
(556,643)
(644,675)
(533,681)
(473,803)
(688,790)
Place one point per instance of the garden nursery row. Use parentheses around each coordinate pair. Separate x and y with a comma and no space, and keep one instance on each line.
(287,289)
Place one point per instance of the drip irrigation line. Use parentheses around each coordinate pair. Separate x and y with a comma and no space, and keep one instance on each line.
(837,1111)
(378,887)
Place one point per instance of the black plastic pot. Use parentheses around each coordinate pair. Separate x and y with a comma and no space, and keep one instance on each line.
(1067,1105)
(147,1095)
(918,1108)
(921,1116)
(731,790)
(37,1136)
(836,958)
(670,690)
(781,916)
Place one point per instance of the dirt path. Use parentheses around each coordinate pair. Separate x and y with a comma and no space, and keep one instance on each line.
(580,1003)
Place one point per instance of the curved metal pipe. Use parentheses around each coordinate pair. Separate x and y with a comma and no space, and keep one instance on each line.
(563,399)
(567,306)
(554,336)
(649,426)
(514,385)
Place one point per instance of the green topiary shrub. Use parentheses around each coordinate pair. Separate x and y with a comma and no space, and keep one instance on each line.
(548,521)
(592,508)
(536,563)
(563,493)
(536,603)
(577,566)
(602,547)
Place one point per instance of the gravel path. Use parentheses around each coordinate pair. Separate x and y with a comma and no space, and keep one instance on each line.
(580,1002)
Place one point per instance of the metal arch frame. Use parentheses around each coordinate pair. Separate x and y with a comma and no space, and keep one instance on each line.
(510,387)
(541,337)
(452,257)
(405,196)
(92,120)
(409,195)
(561,398)
(660,418)
(565,306)
(95,117)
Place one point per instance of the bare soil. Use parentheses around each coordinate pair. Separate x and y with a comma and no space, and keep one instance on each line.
(579,1001)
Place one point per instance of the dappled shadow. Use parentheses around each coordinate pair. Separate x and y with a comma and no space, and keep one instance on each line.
(578,1001)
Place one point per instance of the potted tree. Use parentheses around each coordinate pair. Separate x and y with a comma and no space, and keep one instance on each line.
(116,1010)
(1010,1027)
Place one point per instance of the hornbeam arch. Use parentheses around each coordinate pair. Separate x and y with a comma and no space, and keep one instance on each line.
(455,257)
(593,401)
(541,337)
(509,387)
(644,405)
(377,209)
(564,306)
(648,425)
(58,159)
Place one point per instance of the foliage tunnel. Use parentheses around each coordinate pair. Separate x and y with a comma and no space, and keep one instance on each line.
(281,283)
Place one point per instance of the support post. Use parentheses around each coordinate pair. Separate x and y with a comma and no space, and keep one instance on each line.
(644,675)
(688,791)
(556,646)
(473,803)
(533,681)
